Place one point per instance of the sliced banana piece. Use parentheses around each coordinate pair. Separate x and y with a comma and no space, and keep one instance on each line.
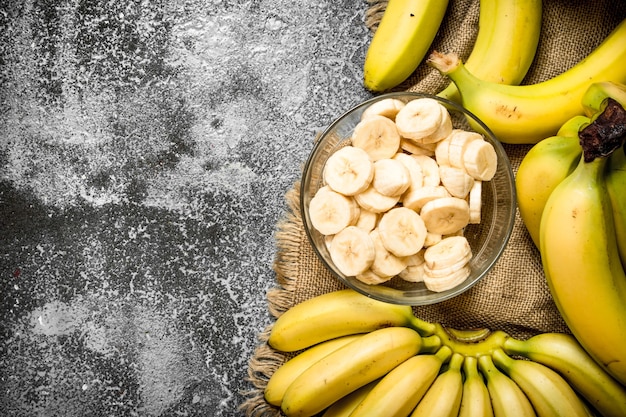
(352,250)
(445,215)
(370,277)
(387,107)
(331,212)
(458,141)
(480,160)
(430,169)
(415,198)
(349,171)
(391,177)
(444,130)
(415,149)
(374,201)
(475,201)
(378,136)
(456,180)
(442,151)
(454,251)
(420,118)
(432,239)
(414,271)
(402,231)
(367,220)
(439,284)
(385,264)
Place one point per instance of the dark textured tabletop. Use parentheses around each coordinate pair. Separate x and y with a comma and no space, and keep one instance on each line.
(146,147)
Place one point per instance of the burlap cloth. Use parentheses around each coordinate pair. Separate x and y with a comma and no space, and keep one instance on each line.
(514,296)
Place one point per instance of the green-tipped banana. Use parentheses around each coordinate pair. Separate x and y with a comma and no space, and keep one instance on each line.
(507,399)
(443,398)
(404,35)
(290,370)
(580,256)
(543,167)
(475,401)
(616,187)
(547,391)
(562,353)
(349,368)
(527,114)
(400,390)
(506,42)
(596,93)
(337,314)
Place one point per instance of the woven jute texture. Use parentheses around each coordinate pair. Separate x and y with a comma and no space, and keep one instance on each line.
(514,296)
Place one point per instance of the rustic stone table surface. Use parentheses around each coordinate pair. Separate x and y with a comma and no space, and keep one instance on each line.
(146,147)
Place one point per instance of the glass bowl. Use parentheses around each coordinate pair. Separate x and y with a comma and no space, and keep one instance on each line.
(487,239)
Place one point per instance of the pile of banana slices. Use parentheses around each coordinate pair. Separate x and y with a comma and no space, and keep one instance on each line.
(397,197)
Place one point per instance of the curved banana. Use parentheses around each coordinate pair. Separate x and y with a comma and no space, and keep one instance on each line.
(596,93)
(335,314)
(507,399)
(348,368)
(527,114)
(581,262)
(290,370)
(400,390)
(616,187)
(572,126)
(344,407)
(506,42)
(545,165)
(475,401)
(443,398)
(562,353)
(404,35)
(548,392)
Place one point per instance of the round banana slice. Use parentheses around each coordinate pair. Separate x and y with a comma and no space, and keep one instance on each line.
(442,151)
(374,201)
(349,170)
(385,264)
(402,231)
(439,284)
(456,180)
(331,212)
(475,202)
(414,271)
(378,136)
(415,149)
(480,160)
(448,270)
(387,107)
(415,198)
(352,250)
(413,167)
(370,277)
(420,118)
(367,220)
(432,239)
(458,141)
(430,170)
(444,130)
(445,215)
(452,252)
(391,177)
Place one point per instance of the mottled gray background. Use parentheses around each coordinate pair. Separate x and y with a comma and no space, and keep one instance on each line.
(145,150)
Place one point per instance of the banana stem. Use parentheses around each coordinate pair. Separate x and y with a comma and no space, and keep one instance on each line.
(471,342)
(423,327)
(430,344)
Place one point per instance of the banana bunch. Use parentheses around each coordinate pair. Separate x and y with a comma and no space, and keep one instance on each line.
(351,355)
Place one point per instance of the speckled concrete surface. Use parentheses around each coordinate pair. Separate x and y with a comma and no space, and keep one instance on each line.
(145,150)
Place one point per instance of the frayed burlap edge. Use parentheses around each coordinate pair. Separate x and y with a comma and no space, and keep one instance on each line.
(375,11)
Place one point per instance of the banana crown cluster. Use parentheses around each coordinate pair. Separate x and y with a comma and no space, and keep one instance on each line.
(570,191)
(355,356)
(397,197)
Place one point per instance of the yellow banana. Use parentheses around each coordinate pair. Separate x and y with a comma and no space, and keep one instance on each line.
(616,187)
(571,127)
(400,390)
(506,42)
(581,260)
(290,370)
(443,398)
(527,114)
(348,368)
(335,314)
(562,353)
(344,407)
(543,167)
(596,93)
(507,399)
(475,401)
(548,392)
(404,35)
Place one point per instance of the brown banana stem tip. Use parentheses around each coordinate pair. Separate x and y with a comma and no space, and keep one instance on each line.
(606,133)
